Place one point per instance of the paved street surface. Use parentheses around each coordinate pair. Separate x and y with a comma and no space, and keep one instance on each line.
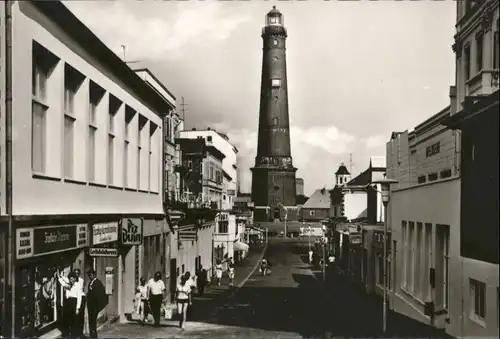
(290,303)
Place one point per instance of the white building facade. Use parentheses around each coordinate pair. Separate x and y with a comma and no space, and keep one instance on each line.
(84,143)
(229,164)
(424,216)
(477,78)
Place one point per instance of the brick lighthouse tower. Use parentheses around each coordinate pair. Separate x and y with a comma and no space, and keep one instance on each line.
(273,176)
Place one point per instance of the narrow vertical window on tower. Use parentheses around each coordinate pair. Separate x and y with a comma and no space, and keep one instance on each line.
(275,121)
(275,82)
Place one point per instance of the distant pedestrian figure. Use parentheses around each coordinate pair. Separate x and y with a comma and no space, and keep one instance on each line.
(231,275)
(310,256)
(218,272)
(202,280)
(183,296)
(156,287)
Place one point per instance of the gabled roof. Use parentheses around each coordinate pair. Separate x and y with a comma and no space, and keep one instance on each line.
(363,179)
(319,199)
(342,170)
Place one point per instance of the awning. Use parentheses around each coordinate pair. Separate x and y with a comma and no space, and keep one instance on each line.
(239,246)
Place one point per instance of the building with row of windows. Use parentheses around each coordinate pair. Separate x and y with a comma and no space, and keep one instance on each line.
(82,175)
(444,210)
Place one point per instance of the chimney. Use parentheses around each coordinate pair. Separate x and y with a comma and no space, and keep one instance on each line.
(208,128)
(453,100)
(193,129)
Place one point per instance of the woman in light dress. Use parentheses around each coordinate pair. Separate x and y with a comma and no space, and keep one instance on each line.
(231,274)
(218,272)
(141,301)
(183,296)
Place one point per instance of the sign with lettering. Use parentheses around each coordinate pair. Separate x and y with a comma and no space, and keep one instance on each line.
(54,239)
(103,252)
(82,239)
(130,233)
(24,243)
(104,232)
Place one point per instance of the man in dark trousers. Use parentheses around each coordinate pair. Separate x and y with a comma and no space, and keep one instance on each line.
(202,280)
(97,299)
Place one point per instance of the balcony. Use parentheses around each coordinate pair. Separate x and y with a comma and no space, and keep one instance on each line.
(483,83)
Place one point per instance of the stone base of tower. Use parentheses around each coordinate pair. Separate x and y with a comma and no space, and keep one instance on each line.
(273,194)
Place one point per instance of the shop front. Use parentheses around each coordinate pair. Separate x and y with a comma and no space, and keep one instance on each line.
(41,252)
(378,250)
(103,257)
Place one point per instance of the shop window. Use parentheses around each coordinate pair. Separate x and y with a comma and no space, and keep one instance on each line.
(39,297)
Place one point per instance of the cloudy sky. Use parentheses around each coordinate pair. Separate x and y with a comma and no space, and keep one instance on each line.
(356,70)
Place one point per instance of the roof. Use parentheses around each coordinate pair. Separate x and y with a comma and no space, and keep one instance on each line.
(377,162)
(226,175)
(147,70)
(342,170)
(59,14)
(215,152)
(363,179)
(319,199)
(274,12)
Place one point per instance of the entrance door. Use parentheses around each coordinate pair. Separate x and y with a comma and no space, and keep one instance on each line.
(276,214)
(173,278)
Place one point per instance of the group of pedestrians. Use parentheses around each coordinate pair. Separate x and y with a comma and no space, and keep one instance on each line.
(149,298)
(219,270)
(75,299)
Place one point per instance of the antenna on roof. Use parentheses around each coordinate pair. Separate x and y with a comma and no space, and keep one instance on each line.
(350,163)
(183,110)
(124,48)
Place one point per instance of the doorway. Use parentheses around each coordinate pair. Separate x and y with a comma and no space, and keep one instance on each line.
(276,214)
(173,278)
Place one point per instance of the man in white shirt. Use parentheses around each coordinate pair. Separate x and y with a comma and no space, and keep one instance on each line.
(81,314)
(72,304)
(156,288)
(310,256)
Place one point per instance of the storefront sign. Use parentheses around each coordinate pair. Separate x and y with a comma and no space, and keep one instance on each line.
(104,232)
(24,240)
(54,239)
(130,233)
(103,252)
(355,239)
(82,239)
(109,280)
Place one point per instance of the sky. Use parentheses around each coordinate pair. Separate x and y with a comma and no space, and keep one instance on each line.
(357,71)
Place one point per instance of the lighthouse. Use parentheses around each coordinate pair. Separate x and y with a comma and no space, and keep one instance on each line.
(273,176)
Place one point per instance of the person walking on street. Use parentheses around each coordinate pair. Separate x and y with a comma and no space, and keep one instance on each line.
(218,272)
(71,305)
(183,297)
(231,275)
(142,303)
(97,299)
(310,256)
(202,280)
(156,288)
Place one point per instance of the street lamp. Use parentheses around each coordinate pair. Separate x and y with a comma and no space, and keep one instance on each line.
(385,185)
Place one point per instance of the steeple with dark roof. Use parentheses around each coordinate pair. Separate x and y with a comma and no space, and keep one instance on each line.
(342,176)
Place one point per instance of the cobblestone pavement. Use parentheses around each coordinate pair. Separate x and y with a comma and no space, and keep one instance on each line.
(290,303)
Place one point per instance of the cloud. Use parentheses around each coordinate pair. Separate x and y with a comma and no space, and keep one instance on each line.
(376,141)
(153,36)
(312,151)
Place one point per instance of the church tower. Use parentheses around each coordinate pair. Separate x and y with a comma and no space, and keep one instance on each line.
(342,176)
(273,176)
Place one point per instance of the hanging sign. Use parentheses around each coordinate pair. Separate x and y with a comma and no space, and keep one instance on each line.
(131,233)
(104,232)
(103,252)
